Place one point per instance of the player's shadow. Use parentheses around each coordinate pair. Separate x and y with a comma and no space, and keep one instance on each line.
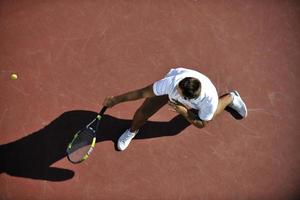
(33,155)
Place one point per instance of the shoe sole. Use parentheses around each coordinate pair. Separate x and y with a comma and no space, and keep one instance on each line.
(243,103)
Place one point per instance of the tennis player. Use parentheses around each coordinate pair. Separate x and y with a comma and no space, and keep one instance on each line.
(185,91)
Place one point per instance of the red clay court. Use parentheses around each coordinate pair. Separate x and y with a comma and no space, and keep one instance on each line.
(70,55)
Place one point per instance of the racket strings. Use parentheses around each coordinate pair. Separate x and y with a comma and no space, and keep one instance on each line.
(81,146)
(84,141)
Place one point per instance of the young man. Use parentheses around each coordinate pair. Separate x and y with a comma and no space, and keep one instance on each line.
(186,91)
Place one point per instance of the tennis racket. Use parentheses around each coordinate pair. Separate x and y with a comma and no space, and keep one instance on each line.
(84,140)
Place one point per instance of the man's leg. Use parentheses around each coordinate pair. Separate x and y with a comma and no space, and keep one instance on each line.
(234,101)
(224,101)
(147,109)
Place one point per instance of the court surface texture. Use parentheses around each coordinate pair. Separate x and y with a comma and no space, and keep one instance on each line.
(70,55)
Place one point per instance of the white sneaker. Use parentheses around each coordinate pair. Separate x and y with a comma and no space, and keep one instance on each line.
(238,104)
(125,139)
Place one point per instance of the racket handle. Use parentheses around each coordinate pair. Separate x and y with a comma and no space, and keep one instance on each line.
(103,110)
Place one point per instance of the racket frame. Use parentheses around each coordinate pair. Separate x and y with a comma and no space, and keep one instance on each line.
(91,131)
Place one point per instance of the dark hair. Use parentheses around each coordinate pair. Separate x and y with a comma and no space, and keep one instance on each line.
(190,87)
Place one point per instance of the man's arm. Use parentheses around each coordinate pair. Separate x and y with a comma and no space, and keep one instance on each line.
(189,115)
(129,96)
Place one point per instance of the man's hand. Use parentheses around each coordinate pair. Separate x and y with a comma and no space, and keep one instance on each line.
(110,101)
(179,108)
(188,114)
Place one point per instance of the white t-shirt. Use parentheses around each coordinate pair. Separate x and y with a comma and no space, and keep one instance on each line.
(206,103)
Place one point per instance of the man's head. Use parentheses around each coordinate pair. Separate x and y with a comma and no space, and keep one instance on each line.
(189,88)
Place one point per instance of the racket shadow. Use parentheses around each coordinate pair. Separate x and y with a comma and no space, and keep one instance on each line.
(33,155)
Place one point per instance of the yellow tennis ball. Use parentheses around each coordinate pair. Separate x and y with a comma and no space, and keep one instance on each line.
(14,77)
